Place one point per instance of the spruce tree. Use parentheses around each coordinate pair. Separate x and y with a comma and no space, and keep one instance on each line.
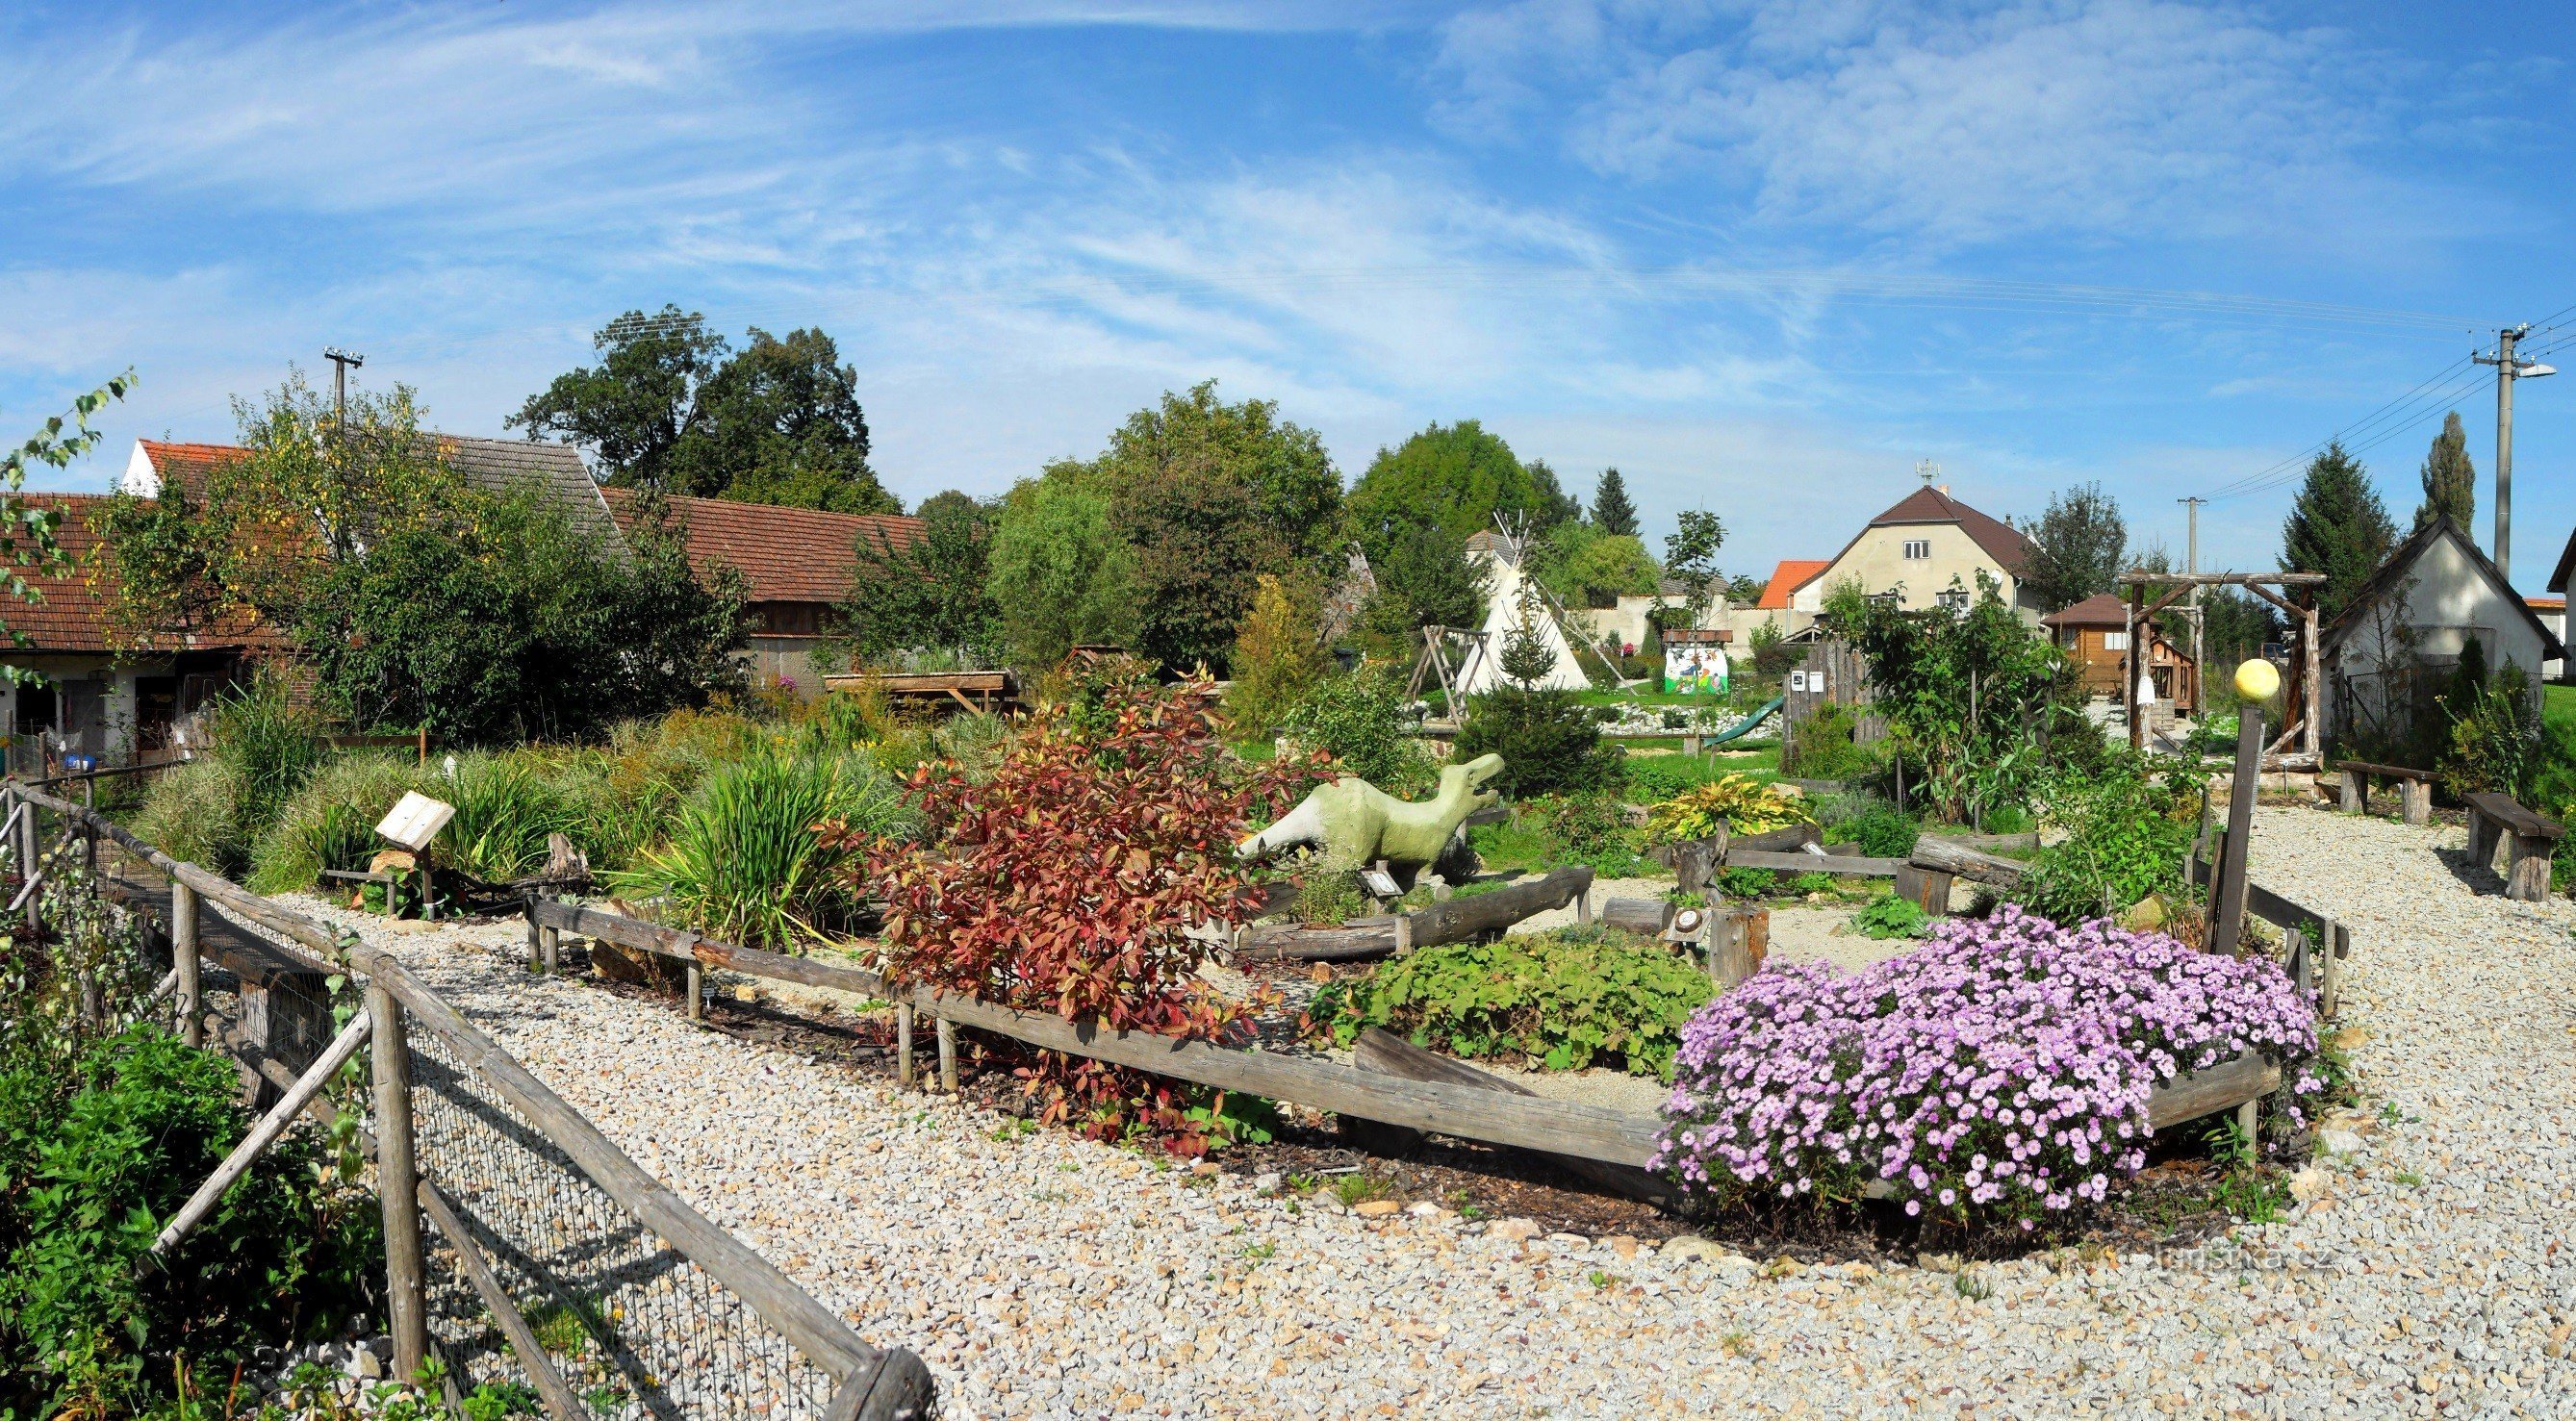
(1611,511)
(1526,658)
(2338,527)
(2450,480)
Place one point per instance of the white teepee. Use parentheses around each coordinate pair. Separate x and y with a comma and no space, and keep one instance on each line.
(1504,579)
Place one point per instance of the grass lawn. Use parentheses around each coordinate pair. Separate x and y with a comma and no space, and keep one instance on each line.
(2558,704)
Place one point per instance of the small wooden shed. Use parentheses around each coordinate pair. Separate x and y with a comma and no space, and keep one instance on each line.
(2095,634)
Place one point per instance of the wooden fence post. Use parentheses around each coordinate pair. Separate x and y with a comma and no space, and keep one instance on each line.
(183,958)
(30,843)
(947,1055)
(697,990)
(398,1185)
(2227,895)
(903,1045)
(536,941)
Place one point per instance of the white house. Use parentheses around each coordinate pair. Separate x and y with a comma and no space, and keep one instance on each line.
(2385,652)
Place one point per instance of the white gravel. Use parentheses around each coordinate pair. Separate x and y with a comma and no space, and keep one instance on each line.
(1045,1276)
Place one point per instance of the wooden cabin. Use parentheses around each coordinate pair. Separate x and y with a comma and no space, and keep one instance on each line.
(2095,633)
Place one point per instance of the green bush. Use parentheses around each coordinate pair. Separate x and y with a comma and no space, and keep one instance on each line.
(743,864)
(1824,747)
(1361,720)
(1547,739)
(1738,881)
(1589,829)
(2127,827)
(1566,1000)
(1881,829)
(1651,779)
(1892,916)
(194,812)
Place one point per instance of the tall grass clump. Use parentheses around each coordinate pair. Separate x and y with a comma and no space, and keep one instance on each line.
(742,862)
(193,812)
(260,748)
(329,823)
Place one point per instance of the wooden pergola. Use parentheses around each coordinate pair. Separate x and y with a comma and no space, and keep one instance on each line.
(2301,714)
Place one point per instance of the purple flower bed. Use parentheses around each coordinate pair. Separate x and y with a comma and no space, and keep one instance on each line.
(2001,1071)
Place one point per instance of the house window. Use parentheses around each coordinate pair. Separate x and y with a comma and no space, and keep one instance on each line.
(2115,641)
(1918,547)
(1953,599)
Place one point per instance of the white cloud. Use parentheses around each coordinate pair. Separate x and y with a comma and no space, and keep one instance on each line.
(2126,119)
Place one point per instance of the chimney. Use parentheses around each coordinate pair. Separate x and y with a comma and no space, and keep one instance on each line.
(1945,490)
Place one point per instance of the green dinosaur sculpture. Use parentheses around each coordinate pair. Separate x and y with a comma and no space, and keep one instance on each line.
(1356,824)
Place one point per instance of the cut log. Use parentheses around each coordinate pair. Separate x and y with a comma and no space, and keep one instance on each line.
(1927,889)
(1942,856)
(1381,1050)
(1693,861)
(1642,916)
(1803,862)
(1294,943)
(1779,840)
(1462,918)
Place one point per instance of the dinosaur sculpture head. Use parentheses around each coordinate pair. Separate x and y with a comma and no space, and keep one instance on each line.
(1470,780)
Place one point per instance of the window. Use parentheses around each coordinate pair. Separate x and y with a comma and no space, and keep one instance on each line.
(1954,599)
(1918,547)
(2115,641)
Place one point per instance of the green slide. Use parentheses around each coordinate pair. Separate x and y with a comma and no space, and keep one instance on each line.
(1749,724)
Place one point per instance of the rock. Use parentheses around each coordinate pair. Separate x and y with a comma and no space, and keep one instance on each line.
(2147,914)
(2349,1038)
(2308,1184)
(1691,1248)
(1515,1230)
(1204,1168)
(364,1366)
(1267,1182)
(1568,1243)
(2339,1142)
(1622,1245)
(1376,1208)
(1937,1262)
(746,992)
(1424,1209)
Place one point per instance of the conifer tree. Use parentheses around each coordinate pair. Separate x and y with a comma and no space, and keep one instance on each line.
(1611,511)
(2450,480)
(2338,527)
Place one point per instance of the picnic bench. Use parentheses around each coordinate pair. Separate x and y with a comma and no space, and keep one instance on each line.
(2414,788)
(2493,816)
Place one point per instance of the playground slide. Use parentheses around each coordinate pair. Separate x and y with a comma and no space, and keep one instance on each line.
(1751,722)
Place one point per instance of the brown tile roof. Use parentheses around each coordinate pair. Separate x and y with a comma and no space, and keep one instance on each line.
(2002,542)
(786,554)
(2102,609)
(72,615)
(1787,578)
(494,465)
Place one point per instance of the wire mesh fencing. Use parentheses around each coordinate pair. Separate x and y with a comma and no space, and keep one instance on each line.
(635,1327)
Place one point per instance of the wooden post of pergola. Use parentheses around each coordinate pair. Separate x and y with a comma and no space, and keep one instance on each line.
(2302,711)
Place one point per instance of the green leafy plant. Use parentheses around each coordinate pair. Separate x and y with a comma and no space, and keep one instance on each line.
(1737,881)
(744,861)
(1548,741)
(1566,1000)
(1362,722)
(1892,916)
(1589,829)
(1739,803)
(1827,747)
(2128,824)
(1880,829)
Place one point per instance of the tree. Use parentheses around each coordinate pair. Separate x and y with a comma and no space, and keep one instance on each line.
(414,597)
(1527,658)
(1199,552)
(27,534)
(1280,470)
(1279,655)
(1612,513)
(2337,527)
(1588,567)
(671,405)
(1424,579)
(1060,573)
(928,594)
(2075,546)
(1690,557)
(2450,480)
(1551,507)
(1456,477)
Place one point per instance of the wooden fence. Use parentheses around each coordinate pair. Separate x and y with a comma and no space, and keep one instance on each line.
(1555,1127)
(537,1210)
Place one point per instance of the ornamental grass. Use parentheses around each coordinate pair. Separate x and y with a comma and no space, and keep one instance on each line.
(1999,1073)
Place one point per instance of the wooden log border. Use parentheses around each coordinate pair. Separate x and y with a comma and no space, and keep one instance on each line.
(1558,1127)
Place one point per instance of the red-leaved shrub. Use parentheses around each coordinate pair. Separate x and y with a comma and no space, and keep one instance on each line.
(1070,882)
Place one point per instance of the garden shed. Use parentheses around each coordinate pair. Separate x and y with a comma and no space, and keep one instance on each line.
(2095,634)
(2409,625)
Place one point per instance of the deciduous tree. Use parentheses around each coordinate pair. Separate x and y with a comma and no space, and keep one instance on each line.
(929,594)
(1061,573)
(2075,546)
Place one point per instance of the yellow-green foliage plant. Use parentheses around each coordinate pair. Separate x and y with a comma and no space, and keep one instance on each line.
(1740,803)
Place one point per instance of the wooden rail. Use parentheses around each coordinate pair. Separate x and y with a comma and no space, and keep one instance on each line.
(1557,1127)
(875,1383)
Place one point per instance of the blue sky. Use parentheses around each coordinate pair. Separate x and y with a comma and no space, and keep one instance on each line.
(1763,257)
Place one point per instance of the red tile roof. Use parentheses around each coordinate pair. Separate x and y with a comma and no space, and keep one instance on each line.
(72,615)
(1788,577)
(786,554)
(2102,609)
(2001,540)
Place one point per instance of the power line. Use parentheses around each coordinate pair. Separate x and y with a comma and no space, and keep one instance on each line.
(2271,475)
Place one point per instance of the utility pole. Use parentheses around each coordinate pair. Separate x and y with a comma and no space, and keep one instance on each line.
(2191,564)
(2509,368)
(341,360)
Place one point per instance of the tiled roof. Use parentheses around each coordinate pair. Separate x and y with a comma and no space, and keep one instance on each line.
(72,617)
(1787,578)
(786,554)
(494,465)
(2001,540)
(2102,609)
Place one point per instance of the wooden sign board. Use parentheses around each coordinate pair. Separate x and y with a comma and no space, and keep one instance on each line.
(416,821)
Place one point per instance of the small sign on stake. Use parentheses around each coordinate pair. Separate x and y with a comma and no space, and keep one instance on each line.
(1380,883)
(416,820)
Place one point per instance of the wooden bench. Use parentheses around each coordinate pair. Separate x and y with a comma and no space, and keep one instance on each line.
(2414,788)
(2534,839)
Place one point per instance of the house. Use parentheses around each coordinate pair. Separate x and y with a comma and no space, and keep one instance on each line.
(2095,635)
(1789,602)
(99,698)
(2552,612)
(2386,653)
(1929,550)
(493,465)
(797,565)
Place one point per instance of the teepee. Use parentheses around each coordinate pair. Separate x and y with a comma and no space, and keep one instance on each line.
(1505,584)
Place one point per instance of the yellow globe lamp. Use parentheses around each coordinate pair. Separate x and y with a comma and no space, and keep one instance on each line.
(2258,680)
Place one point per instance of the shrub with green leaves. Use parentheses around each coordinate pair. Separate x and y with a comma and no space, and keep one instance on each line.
(743,863)
(2127,826)
(1892,916)
(1361,720)
(1740,804)
(1564,1000)
(1549,742)
(1879,828)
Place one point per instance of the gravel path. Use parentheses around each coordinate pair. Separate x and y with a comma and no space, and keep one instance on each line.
(1042,1275)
